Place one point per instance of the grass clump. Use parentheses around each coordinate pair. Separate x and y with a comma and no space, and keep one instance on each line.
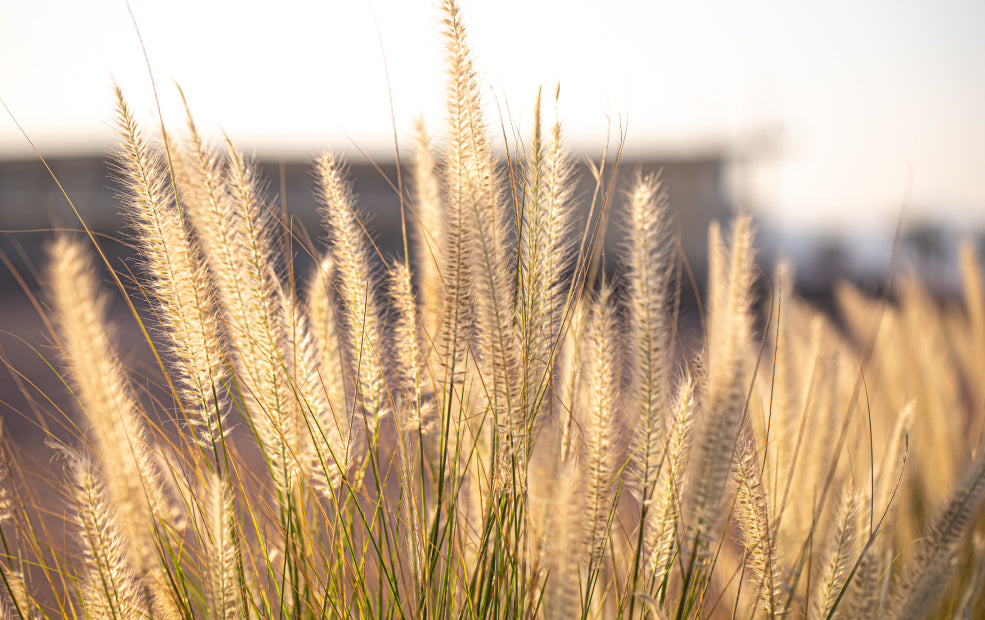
(487,426)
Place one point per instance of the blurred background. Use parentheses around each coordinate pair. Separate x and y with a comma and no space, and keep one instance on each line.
(831,123)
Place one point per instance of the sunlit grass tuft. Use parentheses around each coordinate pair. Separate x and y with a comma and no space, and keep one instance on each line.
(489,426)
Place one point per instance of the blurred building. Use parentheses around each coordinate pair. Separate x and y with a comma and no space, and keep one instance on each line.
(30,200)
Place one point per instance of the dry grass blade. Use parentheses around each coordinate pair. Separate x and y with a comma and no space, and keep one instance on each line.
(111,588)
(926,573)
(182,291)
(350,253)
(650,262)
(723,408)
(119,435)
(840,550)
(602,434)
(430,233)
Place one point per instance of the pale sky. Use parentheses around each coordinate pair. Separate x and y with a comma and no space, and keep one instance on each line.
(863,104)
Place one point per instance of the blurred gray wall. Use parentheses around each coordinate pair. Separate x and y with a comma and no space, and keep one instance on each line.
(30,199)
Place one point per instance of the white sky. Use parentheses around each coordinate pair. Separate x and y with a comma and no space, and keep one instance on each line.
(861,103)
